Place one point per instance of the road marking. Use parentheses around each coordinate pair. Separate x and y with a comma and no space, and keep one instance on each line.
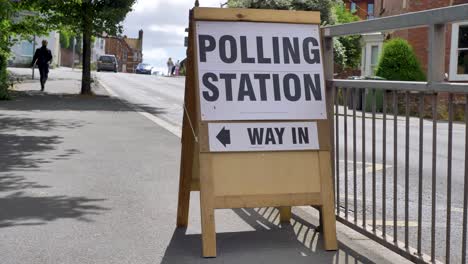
(176,130)
(378,166)
(399,223)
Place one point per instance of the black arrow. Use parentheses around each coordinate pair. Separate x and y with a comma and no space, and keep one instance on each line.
(224,136)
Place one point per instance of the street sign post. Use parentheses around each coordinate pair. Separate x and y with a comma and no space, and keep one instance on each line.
(259,71)
(225,137)
(256,129)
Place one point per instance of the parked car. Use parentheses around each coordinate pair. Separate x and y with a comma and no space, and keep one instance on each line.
(143,68)
(107,63)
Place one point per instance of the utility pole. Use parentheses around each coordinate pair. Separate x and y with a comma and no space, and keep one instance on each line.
(73,55)
(34,51)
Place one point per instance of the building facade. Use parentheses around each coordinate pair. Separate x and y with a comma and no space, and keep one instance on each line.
(69,54)
(129,51)
(364,9)
(98,49)
(456,51)
(22,51)
(371,44)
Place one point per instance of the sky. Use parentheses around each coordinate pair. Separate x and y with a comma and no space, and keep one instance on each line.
(163,23)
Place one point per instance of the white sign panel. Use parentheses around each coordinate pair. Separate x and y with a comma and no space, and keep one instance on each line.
(263,136)
(260,71)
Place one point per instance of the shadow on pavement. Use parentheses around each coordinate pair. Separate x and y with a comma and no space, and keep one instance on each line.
(10,182)
(18,152)
(44,101)
(24,146)
(20,209)
(272,242)
(15,122)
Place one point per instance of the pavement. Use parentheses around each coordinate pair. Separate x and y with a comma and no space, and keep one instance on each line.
(94,179)
(163,97)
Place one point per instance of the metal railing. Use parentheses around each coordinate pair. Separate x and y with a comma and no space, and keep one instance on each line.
(401,171)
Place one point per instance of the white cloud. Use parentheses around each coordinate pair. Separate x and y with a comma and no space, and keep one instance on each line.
(163,23)
(171,29)
(156,54)
(145,5)
(158,58)
(142,6)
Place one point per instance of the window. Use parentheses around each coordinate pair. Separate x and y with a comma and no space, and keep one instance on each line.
(372,44)
(374,59)
(459,52)
(27,48)
(353,7)
(370,11)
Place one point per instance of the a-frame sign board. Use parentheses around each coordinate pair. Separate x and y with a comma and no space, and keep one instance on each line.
(256,130)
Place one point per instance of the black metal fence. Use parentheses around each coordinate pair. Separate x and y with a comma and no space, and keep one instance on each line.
(401,176)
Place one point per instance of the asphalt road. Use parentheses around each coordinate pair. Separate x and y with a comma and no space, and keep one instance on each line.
(163,96)
(90,180)
(413,174)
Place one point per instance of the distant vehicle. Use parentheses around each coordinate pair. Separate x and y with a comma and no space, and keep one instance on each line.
(107,63)
(143,68)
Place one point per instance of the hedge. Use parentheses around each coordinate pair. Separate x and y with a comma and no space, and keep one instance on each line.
(398,62)
(4,95)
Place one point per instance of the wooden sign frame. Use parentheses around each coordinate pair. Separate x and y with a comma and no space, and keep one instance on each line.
(249,179)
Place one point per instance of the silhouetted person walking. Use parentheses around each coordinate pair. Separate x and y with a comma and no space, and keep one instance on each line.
(43,57)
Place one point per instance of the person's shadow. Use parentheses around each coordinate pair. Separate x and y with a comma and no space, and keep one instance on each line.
(271,242)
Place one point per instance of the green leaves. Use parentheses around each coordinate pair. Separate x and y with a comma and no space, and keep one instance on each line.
(399,62)
(106,15)
(347,49)
(350,45)
(324,6)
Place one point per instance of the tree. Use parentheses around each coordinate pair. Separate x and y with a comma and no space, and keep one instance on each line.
(65,39)
(351,45)
(88,18)
(5,9)
(15,23)
(347,49)
(324,6)
(398,62)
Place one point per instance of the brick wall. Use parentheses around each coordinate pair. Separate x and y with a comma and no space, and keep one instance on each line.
(114,47)
(390,7)
(361,9)
(124,53)
(417,37)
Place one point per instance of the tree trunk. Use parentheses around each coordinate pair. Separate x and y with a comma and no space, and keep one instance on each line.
(87,32)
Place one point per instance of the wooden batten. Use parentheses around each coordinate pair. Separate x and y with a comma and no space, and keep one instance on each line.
(323,129)
(254,201)
(256,15)
(265,173)
(249,179)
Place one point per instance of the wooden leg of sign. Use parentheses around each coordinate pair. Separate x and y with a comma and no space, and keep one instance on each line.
(207,207)
(185,176)
(320,227)
(285,214)
(188,140)
(328,211)
(184,201)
